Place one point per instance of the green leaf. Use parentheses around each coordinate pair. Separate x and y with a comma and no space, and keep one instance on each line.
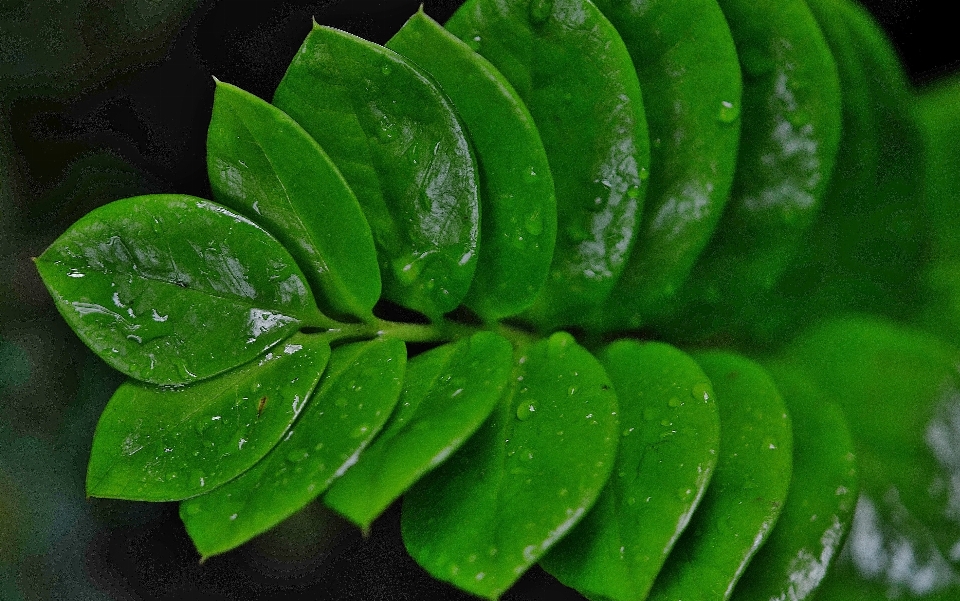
(818,511)
(671,433)
(518,212)
(572,70)
(167,444)
(170,289)
(356,395)
(788,147)
(900,389)
(264,165)
(402,149)
(694,112)
(748,488)
(938,110)
(483,517)
(447,393)
(868,248)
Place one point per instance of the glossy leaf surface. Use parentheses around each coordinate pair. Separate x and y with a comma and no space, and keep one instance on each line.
(818,511)
(900,388)
(691,73)
(402,149)
(264,165)
(356,395)
(867,249)
(788,148)
(570,67)
(171,289)
(518,208)
(748,488)
(668,450)
(167,444)
(488,513)
(448,392)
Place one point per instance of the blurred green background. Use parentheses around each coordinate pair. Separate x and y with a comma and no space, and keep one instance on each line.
(104,99)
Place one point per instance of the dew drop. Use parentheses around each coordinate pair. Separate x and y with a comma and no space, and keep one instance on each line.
(728,113)
(526,410)
(701,391)
(674,402)
(297,456)
(385,69)
(534,224)
(193,509)
(406,269)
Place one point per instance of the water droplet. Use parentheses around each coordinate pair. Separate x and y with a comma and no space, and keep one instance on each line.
(341,402)
(674,402)
(683,493)
(534,224)
(193,509)
(526,409)
(649,414)
(728,113)
(628,431)
(474,43)
(385,69)
(540,11)
(526,456)
(631,501)
(360,431)
(407,269)
(701,391)
(297,456)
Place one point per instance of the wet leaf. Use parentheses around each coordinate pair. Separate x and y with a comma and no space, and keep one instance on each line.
(818,511)
(402,149)
(167,444)
(570,67)
(748,488)
(693,106)
(170,289)
(528,475)
(356,395)
(447,393)
(668,450)
(264,165)
(518,208)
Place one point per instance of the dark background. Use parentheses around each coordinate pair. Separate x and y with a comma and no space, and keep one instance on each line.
(103,99)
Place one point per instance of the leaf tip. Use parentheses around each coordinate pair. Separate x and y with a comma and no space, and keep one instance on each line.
(215,80)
